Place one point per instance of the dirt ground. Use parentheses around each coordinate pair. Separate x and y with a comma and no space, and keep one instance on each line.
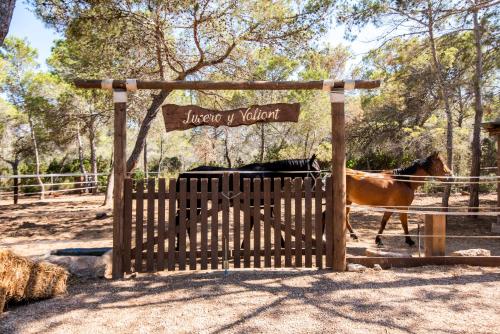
(418,300)
(455,299)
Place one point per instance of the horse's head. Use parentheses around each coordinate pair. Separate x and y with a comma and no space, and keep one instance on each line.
(437,165)
(314,166)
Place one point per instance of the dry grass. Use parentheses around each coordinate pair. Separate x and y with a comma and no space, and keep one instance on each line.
(25,280)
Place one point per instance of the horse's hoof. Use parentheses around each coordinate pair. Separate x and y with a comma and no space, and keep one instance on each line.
(410,242)
(354,236)
(379,242)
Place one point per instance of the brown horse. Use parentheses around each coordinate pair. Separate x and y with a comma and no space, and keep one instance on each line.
(392,188)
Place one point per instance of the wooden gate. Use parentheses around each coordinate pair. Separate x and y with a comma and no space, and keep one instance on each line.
(196,225)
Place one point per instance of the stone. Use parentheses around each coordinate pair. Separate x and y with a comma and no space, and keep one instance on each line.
(356,267)
(107,259)
(377,267)
(472,252)
(379,253)
(80,266)
(101,215)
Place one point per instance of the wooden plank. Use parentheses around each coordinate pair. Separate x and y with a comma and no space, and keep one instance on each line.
(297,188)
(288,222)
(236,219)
(256,221)
(267,222)
(119,170)
(225,220)
(246,222)
(339,181)
(204,223)
(308,222)
(189,116)
(160,261)
(277,222)
(405,262)
(150,230)
(318,221)
(127,226)
(435,225)
(193,213)
(182,224)
(172,197)
(329,224)
(139,214)
(214,244)
(226,85)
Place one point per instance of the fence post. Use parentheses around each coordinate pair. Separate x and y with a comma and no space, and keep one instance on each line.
(435,225)
(119,169)
(338,178)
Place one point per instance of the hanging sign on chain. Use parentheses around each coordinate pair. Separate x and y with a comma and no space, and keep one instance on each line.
(185,117)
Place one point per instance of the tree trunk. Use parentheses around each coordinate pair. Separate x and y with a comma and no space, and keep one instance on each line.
(160,161)
(478,118)
(93,158)
(144,129)
(226,149)
(262,143)
(37,156)
(145,156)
(6,11)
(443,90)
(80,159)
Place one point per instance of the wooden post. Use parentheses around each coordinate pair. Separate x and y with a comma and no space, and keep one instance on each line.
(435,225)
(339,179)
(119,170)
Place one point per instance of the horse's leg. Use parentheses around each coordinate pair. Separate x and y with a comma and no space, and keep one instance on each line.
(349,227)
(404,222)
(276,227)
(385,218)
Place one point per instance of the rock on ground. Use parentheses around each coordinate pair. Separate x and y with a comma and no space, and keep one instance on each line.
(472,252)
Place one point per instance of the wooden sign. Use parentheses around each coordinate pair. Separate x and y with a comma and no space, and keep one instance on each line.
(186,117)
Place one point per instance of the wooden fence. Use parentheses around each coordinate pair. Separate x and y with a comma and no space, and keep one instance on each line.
(197,224)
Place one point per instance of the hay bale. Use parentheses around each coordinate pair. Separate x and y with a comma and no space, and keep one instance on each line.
(26,280)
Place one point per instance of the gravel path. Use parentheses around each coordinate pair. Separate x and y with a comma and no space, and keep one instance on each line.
(418,300)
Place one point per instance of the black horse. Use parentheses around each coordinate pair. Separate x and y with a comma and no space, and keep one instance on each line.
(292,168)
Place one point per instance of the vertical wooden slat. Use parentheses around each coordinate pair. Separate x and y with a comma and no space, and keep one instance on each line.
(308,222)
(297,187)
(172,198)
(288,222)
(225,219)
(193,210)
(214,244)
(119,170)
(256,221)
(267,222)
(127,226)
(150,232)
(246,223)
(160,261)
(236,219)
(329,224)
(139,214)
(182,224)
(277,222)
(318,221)
(339,180)
(204,223)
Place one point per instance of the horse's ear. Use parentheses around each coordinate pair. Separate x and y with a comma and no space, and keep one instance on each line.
(311,161)
(435,154)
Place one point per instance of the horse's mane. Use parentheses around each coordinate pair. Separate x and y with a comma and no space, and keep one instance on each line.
(280,165)
(412,169)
